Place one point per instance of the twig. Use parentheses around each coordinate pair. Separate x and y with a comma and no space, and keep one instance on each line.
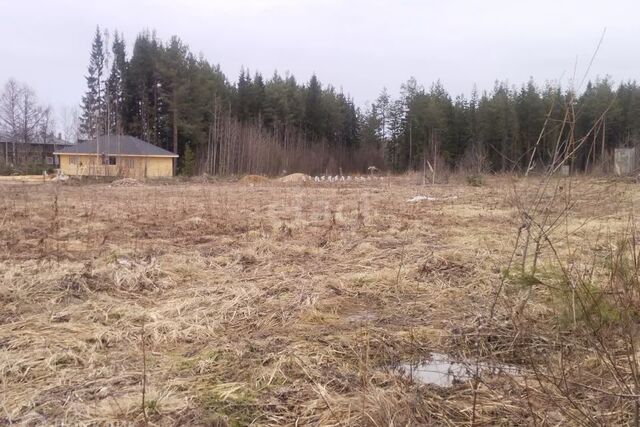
(144,375)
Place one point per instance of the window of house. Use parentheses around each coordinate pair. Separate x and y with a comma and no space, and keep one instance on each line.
(73,160)
(49,160)
(108,160)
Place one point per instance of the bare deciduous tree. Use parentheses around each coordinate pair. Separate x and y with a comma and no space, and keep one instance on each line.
(9,113)
(70,123)
(30,114)
(47,124)
(22,118)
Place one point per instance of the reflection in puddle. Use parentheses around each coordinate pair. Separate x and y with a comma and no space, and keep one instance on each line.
(439,369)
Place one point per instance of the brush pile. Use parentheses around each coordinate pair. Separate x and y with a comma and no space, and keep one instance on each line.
(126,182)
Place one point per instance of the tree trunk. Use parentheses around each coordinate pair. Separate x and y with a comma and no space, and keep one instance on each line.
(410,145)
(604,131)
(175,133)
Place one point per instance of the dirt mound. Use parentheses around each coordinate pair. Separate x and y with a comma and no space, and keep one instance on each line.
(254,179)
(295,177)
(126,182)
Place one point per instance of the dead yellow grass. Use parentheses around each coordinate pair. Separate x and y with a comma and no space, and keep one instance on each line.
(254,179)
(265,305)
(26,178)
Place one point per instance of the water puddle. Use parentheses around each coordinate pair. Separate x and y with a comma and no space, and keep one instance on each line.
(441,370)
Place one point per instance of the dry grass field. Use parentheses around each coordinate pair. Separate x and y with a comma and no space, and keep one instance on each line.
(228,303)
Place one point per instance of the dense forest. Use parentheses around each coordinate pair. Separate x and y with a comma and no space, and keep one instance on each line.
(168,96)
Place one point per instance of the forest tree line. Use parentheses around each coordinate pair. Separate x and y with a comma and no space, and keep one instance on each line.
(168,96)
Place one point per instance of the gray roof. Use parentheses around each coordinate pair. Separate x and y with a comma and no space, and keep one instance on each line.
(114,145)
(50,140)
(39,139)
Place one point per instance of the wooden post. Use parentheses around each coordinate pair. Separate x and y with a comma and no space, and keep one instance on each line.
(604,131)
(435,154)
(424,161)
(175,132)
(410,143)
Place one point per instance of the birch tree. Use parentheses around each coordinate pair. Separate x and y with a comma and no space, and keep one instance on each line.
(9,100)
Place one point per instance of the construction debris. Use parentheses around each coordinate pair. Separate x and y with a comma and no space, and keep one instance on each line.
(126,182)
(430,199)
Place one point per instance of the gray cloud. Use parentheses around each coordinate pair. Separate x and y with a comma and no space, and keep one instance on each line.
(357,45)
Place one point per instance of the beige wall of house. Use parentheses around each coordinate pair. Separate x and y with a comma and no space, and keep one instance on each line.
(126,166)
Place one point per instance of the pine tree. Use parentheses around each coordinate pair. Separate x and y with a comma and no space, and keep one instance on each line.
(93,105)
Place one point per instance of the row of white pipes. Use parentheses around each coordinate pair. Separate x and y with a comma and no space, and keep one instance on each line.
(337,178)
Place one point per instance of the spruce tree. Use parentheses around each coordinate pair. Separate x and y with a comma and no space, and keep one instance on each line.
(174,68)
(115,87)
(167,96)
(244,95)
(93,105)
(257,96)
(142,94)
(383,104)
(188,161)
(313,109)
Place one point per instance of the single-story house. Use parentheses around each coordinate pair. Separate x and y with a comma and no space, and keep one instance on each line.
(116,155)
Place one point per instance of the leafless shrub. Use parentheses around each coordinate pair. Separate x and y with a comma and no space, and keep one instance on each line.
(559,268)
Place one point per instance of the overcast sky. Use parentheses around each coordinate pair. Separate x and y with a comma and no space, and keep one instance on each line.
(358,45)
